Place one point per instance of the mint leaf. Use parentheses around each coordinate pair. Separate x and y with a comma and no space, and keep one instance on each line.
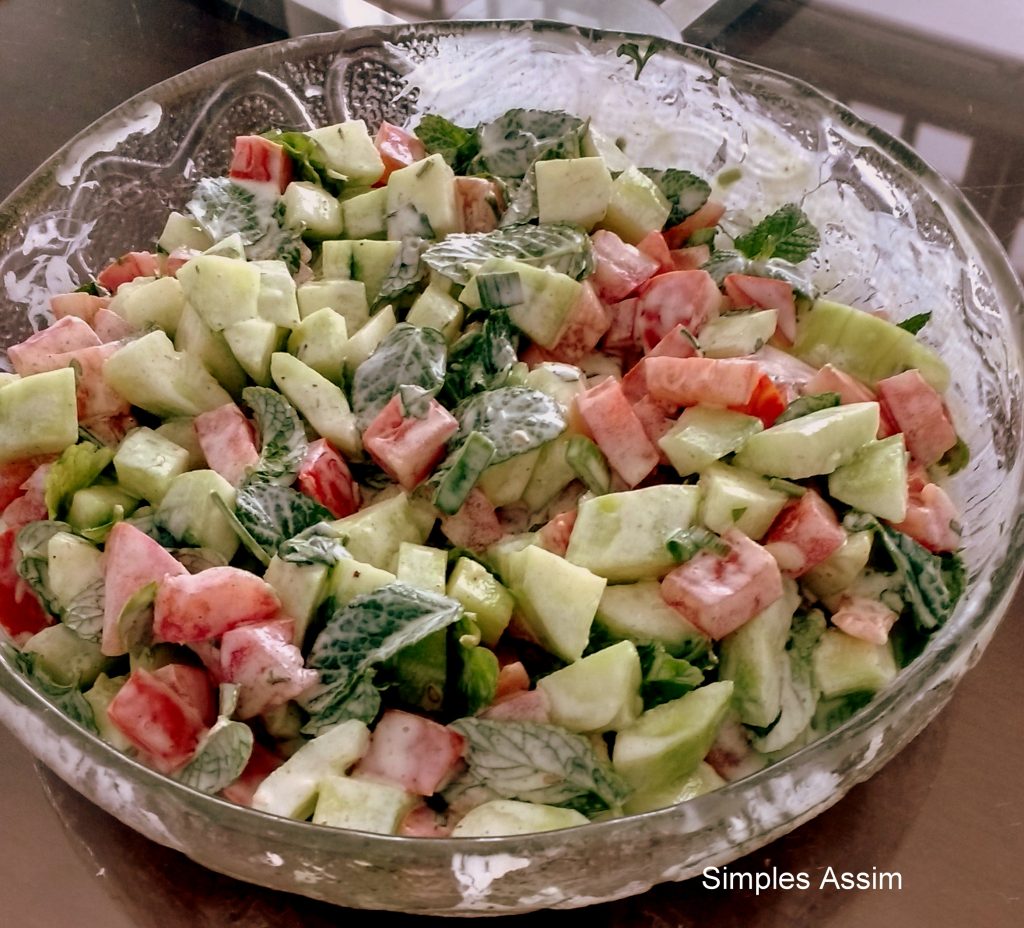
(632,50)
(272,514)
(665,677)
(515,419)
(914,324)
(223,207)
(538,763)
(68,699)
(725,262)
(77,467)
(510,144)
(686,192)
(282,436)
(84,614)
(220,758)
(481,359)
(787,234)
(308,160)
(804,405)
(456,145)
(33,561)
(316,544)
(957,458)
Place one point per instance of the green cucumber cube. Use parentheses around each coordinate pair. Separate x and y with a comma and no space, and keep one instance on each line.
(704,434)
(150,301)
(350,578)
(737,334)
(841,567)
(505,483)
(195,338)
(365,215)
(563,382)
(372,262)
(375,533)
(65,656)
(844,664)
(348,149)
(689,786)
(875,479)
(312,210)
(99,696)
(364,342)
(322,403)
(222,290)
(422,566)
(736,498)
(189,514)
(183,232)
(638,612)
(319,342)
(482,594)
(146,463)
(362,805)
(576,190)
(598,145)
(99,505)
(437,309)
(336,259)
(550,474)
(73,564)
(277,302)
(346,297)
(38,414)
(301,588)
(469,462)
(636,207)
(499,817)
(429,187)
(253,343)
(182,432)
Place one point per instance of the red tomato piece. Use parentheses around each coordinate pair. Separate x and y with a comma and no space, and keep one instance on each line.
(690,258)
(804,534)
(178,259)
(154,718)
(265,664)
(524,706)
(397,149)
(719,594)
(110,327)
(589,320)
(619,268)
(554,536)
(128,267)
(766,402)
(676,343)
(748,290)
(259,159)
(413,752)
(96,398)
(512,678)
(702,381)
(228,442)
(325,477)
(31,505)
(864,618)
(131,560)
(13,477)
(407,448)
(262,763)
(476,525)
(192,686)
(480,202)
(423,822)
(21,615)
(787,372)
(42,351)
(621,335)
(688,298)
(932,518)
(198,607)
(82,305)
(706,217)
(618,432)
(653,245)
(657,419)
(832,380)
(919,413)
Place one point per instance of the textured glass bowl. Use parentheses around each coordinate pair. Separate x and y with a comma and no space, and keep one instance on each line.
(895,236)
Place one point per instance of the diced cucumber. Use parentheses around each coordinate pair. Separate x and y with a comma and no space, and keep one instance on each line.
(319,342)
(875,479)
(99,696)
(346,297)
(372,262)
(222,290)
(429,187)
(364,342)
(469,463)
(375,533)
(638,612)
(499,553)
(182,432)
(866,346)
(365,215)
(841,567)
(322,403)
(312,210)
(499,290)
(600,692)
(703,435)
(149,373)
(589,464)
(817,443)
(195,338)
(437,309)
(480,592)
(146,463)
(557,599)
(563,382)
(99,505)
(362,805)
(598,145)
(753,657)
(689,786)
(336,259)
(253,343)
(189,514)
(150,301)
(292,789)
(73,564)
(736,498)
(506,482)
(550,474)
(348,149)
(277,302)
(844,664)
(636,208)
(499,817)
(737,334)
(422,566)
(38,414)
(301,588)
(182,232)
(621,536)
(350,578)
(65,656)
(576,190)
(669,741)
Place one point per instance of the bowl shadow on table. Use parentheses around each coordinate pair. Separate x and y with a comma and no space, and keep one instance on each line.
(160,888)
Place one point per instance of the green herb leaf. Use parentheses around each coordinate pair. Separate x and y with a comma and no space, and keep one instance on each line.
(665,677)
(456,145)
(272,514)
(914,324)
(77,467)
(787,234)
(90,287)
(725,262)
(68,699)
(220,758)
(282,436)
(686,192)
(308,160)
(247,540)
(686,543)
(317,544)
(223,207)
(510,144)
(32,542)
(481,359)
(804,405)
(632,50)
(84,614)
(515,419)
(957,458)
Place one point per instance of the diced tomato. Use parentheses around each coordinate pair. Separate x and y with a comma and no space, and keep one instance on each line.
(154,718)
(131,560)
(177,259)
(259,159)
(476,525)
(265,664)
(96,398)
(554,536)
(676,343)
(262,763)
(919,414)
(423,822)
(228,442)
(397,149)
(128,267)
(656,419)
(864,618)
(325,477)
(832,380)
(766,402)
(110,327)
(804,534)
(82,305)
(704,218)
(42,351)
(31,505)
(619,268)
(111,430)
(524,706)
(691,258)
(405,447)
(653,245)
(748,290)
(416,753)
(932,518)
(702,381)
(589,319)
(719,594)
(688,298)
(512,678)
(480,202)
(198,607)
(13,477)
(787,372)
(192,686)
(621,335)
(21,615)
(618,432)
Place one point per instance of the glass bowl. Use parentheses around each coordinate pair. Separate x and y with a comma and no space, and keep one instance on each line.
(894,236)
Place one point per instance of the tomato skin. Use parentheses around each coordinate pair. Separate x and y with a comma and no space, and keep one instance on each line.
(747,290)
(42,351)
(804,534)
(156,720)
(77,303)
(619,267)
(414,752)
(325,477)
(766,402)
(405,447)
(21,615)
(95,397)
(719,594)
(618,432)
(653,245)
(13,477)
(480,202)
(522,706)
(193,688)
(397,149)
(423,822)
(198,607)
(512,678)
(620,338)
(918,412)
(259,159)
(128,267)
(706,217)
(690,258)
(706,381)
(227,440)
(688,298)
